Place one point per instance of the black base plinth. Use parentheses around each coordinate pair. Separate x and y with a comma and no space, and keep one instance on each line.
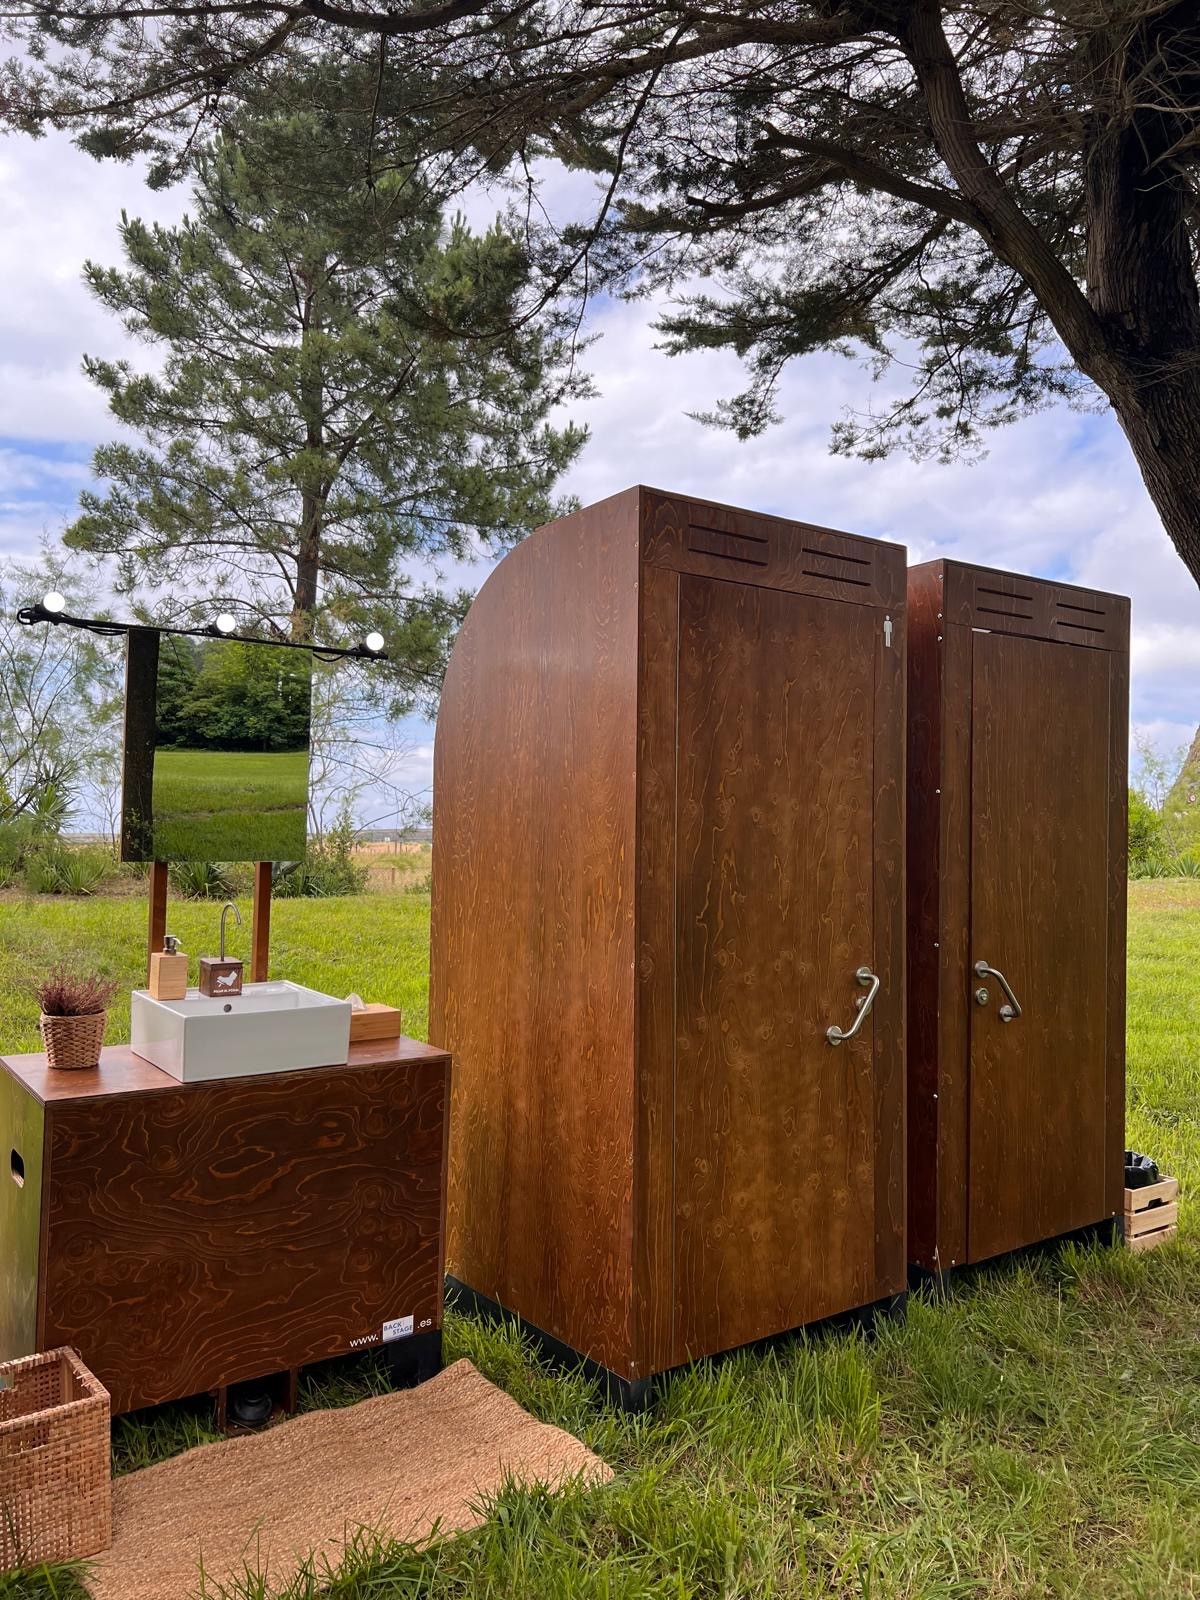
(635,1394)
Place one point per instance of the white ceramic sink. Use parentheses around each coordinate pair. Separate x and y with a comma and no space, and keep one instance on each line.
(269,1027)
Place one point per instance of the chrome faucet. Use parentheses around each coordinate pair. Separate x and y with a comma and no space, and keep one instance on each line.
(237,917)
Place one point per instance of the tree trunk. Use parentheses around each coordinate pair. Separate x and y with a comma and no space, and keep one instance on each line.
(308,568)
(1161,420)
(1141,276)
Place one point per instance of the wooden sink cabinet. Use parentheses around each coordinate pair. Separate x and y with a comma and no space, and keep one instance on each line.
(183,1237)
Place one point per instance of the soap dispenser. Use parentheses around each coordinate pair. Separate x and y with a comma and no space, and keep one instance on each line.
(169,971)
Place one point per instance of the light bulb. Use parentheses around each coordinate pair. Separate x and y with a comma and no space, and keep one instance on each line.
(53,602)
(375,642)
(225,623)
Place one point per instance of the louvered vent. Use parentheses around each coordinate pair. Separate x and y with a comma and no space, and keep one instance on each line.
(1090,621)
(837,566)
(1003,603)
(750,548)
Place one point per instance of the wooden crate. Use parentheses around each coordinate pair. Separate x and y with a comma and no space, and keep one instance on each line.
(1151,1214)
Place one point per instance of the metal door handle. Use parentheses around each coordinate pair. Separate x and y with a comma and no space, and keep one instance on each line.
(1012,1010)
(864,1003)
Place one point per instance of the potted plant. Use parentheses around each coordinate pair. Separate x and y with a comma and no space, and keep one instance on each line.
(74,1013)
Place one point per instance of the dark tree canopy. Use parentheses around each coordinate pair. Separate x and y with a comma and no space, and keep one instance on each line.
(1008,191)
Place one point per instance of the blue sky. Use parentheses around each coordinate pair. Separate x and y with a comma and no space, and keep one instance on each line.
(1057,495)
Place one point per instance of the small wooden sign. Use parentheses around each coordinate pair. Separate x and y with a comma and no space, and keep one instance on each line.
(220,979)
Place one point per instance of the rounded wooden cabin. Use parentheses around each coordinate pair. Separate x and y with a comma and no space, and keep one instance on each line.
(667,869)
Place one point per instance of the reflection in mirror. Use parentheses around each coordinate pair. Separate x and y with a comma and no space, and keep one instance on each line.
(216,750)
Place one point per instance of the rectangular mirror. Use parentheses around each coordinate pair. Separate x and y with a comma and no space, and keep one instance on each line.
(217,739)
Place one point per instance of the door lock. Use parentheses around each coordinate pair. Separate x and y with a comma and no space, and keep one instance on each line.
(981,997)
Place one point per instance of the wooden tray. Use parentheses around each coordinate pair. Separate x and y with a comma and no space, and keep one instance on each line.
(1151,1214)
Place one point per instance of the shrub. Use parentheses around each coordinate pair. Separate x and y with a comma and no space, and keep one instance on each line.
(82,872)
(329,868)
(321,873)
(67,994)
(53,869)
(1145,836)
(41,872)
(205,880)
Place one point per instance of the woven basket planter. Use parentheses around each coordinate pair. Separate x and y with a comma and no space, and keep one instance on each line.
(55,1483)
(73,1043)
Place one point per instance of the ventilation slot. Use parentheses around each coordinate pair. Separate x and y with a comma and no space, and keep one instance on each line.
(1012,608)
(835,562)
(1076,620)
(749,548)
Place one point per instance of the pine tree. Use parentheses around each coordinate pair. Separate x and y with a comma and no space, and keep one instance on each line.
(348,386)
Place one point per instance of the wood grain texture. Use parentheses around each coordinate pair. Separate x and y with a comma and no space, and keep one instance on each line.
(222,1231)
(121,1072)
(558,951)
(924,755)
(1118,889)
(1010,602)
(532,963)
(954,948)
(260,924)
(21,1139)
(656,1344)
(774,1127)
(1039,912)
(1062,686)
(889,808)
(156,929)
(716,541)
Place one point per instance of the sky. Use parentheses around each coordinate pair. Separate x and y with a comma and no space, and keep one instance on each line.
(1057,495)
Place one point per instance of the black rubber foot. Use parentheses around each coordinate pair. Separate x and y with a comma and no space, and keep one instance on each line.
(413,1360)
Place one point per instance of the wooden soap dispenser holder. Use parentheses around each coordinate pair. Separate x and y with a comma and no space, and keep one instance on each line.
(169,971)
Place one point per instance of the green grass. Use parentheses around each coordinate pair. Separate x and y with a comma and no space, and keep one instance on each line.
(376,945)
(1034,1431)
(228,805)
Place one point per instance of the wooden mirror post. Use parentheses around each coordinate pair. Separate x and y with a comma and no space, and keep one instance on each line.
(260,924)
(157,928)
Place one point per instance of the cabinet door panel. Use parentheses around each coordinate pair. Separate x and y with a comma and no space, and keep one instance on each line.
(1039,912)
(774,1171)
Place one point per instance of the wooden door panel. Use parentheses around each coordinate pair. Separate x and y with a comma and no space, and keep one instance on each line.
(1039,912)
(774,1172)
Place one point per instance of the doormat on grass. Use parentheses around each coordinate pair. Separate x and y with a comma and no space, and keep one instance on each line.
(403,1465)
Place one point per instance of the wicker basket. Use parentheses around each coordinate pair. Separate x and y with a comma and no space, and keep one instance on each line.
(74,1042)
(55,1484)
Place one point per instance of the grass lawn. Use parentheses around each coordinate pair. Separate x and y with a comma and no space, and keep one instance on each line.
(230,805)
(1033,1431)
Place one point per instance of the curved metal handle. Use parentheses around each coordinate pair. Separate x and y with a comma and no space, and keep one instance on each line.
(866,977)
(1012,1010)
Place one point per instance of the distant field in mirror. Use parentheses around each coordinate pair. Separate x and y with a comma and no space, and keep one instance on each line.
(230,805)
